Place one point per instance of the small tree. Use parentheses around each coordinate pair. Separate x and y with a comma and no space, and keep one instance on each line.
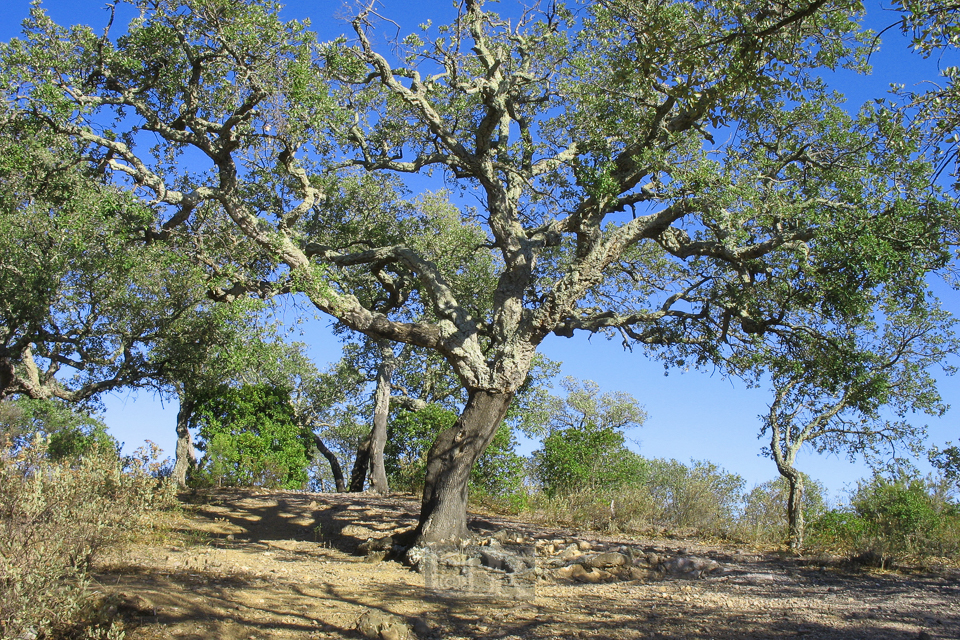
(251,438)
(584,445)
(851,393)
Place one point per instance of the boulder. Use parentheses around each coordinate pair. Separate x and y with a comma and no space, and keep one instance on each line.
(378,625)
(688,567)
(571,552)
(607,560)
(581,573)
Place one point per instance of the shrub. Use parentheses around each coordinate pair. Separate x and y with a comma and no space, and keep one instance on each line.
(250,437)
(55,516)
(657,495)
(700,497)
(890,520)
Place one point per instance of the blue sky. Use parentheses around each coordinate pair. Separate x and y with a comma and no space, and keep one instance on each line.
(691,415)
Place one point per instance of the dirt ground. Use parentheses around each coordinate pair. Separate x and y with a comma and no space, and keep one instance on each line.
(250,565)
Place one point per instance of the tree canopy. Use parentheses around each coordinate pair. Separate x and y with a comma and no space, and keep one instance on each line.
(672,173)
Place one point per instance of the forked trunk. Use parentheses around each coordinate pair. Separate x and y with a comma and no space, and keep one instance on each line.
(443,513)
(358,475)
(334,463)
(186,453)
(370,454)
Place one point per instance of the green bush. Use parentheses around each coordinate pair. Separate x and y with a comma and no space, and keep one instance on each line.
(586,458)
(656,495)
(889,520)
(69,432)
(250,437)
(700,497)
(55,517)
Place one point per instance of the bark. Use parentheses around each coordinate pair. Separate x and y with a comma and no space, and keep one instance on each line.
(443,514)
(334,463)
(358,476)
(381,411)
(370,454)
(186,453)
(6,377)
(795,523)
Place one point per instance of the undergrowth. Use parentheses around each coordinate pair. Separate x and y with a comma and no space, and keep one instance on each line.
(55,518)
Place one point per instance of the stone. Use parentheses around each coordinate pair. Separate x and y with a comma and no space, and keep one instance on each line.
(584,545)
(378,625)
(607,560)
(421,627)
(689,567)
(571,552)
(373,545)
(638,573)
(581,573)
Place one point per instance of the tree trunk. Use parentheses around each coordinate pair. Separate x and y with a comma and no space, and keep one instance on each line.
(358,476)
(795,524)
(443,514)
(7,375)
(186,454)
(381,412)
(334,463)
(370,454)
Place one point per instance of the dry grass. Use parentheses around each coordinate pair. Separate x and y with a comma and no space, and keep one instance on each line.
(55,517)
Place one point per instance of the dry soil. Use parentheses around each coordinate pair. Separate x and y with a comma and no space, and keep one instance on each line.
(253,564)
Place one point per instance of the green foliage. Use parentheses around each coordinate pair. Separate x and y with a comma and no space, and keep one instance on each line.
(665,495)
(585,446)
(587,457)
(700,496)
(250,438)
(498,473)
(889,520)
(55,518)
(948,462)
(69,431)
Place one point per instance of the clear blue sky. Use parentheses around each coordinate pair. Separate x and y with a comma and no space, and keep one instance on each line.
(691,415)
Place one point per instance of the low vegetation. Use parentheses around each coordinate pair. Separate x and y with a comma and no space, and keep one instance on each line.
(56,514)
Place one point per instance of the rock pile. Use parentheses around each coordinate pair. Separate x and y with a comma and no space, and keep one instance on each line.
(583,561)
(507,564)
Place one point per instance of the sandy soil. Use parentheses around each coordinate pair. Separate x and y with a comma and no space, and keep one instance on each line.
(251,565)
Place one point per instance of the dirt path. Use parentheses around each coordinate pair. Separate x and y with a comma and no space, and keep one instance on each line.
(281,565)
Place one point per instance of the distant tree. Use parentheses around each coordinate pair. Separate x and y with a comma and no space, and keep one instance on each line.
(851,393)
(585,445)
(250,437)
(69,430)
(222,344)
(411,434)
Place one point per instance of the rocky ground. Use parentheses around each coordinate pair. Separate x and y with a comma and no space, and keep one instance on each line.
(250,565)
